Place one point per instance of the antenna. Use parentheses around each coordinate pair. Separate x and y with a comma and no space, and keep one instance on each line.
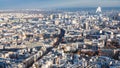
(99,4)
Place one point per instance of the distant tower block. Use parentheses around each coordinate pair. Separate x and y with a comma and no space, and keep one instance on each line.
(98,10)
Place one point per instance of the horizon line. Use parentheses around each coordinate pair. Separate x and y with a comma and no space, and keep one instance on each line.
(54,8)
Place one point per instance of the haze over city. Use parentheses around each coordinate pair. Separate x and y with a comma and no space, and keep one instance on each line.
(59,34)
(18,4)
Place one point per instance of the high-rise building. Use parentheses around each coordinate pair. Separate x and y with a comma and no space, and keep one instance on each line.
(86,25)
(98,10)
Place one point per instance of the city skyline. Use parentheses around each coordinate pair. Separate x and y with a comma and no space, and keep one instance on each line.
(59,34)
(18,4)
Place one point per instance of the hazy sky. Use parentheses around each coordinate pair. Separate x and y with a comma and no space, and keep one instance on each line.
(57,3)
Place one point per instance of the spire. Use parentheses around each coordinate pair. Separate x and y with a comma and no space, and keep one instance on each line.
(99,9)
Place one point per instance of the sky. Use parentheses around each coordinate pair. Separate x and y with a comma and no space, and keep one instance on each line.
(57,3)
